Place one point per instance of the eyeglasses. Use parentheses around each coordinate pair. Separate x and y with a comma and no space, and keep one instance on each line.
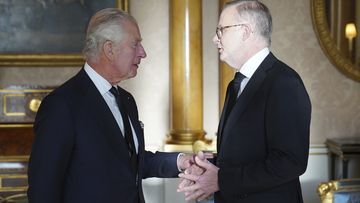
(219,30)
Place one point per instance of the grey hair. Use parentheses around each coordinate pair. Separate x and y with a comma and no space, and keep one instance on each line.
(105,25)
(256,12)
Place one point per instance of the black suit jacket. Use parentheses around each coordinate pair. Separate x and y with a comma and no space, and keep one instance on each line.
(263,146)
(79,154)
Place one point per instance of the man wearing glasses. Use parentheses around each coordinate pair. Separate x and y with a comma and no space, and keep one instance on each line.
(263,135)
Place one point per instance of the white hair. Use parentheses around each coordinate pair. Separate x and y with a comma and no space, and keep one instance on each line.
(258,14)
(105,25)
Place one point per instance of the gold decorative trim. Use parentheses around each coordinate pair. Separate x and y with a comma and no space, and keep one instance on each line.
(19,104)
(16,125)
(5,109)
(34,105)
(25,90)
(14,158)
(326,42)
(123,5)
(11,176)
(12,198)
(22,60)
(13,189)
(185,137)
(326,190)
(318,153)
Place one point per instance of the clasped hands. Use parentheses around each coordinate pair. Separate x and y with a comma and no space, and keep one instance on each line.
(200,178)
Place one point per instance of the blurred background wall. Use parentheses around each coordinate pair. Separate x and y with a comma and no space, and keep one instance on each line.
(335,98)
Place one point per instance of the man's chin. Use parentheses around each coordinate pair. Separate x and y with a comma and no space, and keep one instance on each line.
(222,58)
(133,73)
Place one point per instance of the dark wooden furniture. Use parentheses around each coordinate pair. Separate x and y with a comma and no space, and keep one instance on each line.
(18,107)
(344,149)
(13,178)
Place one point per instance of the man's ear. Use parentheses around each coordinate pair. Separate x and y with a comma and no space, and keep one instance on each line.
(247,31)
(108,50)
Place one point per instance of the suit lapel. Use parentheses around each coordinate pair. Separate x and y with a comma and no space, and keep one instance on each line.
(246,96)
(222,118)
(98,108)
(130,106)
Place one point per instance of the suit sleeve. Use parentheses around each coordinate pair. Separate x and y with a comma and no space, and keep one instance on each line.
(286,123)
(51,151)
(160,164)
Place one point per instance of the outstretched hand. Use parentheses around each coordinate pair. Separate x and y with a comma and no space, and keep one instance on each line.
(185,161)
(193,169)
(203,184)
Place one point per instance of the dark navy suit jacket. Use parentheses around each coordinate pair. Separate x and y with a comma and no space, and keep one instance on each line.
(263,146)
(79,154)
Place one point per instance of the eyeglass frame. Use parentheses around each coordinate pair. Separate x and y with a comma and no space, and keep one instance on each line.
(219,30)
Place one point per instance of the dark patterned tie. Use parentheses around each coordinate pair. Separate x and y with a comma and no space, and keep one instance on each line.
(127,130)
(234,87)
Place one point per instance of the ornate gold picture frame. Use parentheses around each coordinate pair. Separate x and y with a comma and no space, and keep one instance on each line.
(47,33)
(337,58)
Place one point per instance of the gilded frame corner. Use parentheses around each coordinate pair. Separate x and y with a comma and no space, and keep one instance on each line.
(49,60)
(124,5)
(321,28)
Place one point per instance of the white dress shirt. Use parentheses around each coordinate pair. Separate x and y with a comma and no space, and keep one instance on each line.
(104,88)
(251,65)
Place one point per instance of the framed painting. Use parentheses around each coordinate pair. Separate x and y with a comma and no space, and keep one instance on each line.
(46,32)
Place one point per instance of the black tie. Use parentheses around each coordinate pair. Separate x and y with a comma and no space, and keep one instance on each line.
(127,130)
(234,87)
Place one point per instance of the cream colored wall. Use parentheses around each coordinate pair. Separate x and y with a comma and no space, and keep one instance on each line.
(151,86)
(335,98)
(210,69)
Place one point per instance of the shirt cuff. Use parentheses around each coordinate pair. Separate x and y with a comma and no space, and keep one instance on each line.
(178,157)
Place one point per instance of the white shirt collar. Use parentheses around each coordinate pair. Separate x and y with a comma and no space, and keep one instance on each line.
(253,63)
(101,83)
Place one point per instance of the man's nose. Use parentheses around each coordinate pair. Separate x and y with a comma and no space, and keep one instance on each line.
(215,39)
(142,52)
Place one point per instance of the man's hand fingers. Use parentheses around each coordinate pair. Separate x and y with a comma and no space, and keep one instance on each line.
(194,195)
(189,176)
(202,197)
(189,188)
(203,163)
(201,155)
(184,183)
(196,170)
